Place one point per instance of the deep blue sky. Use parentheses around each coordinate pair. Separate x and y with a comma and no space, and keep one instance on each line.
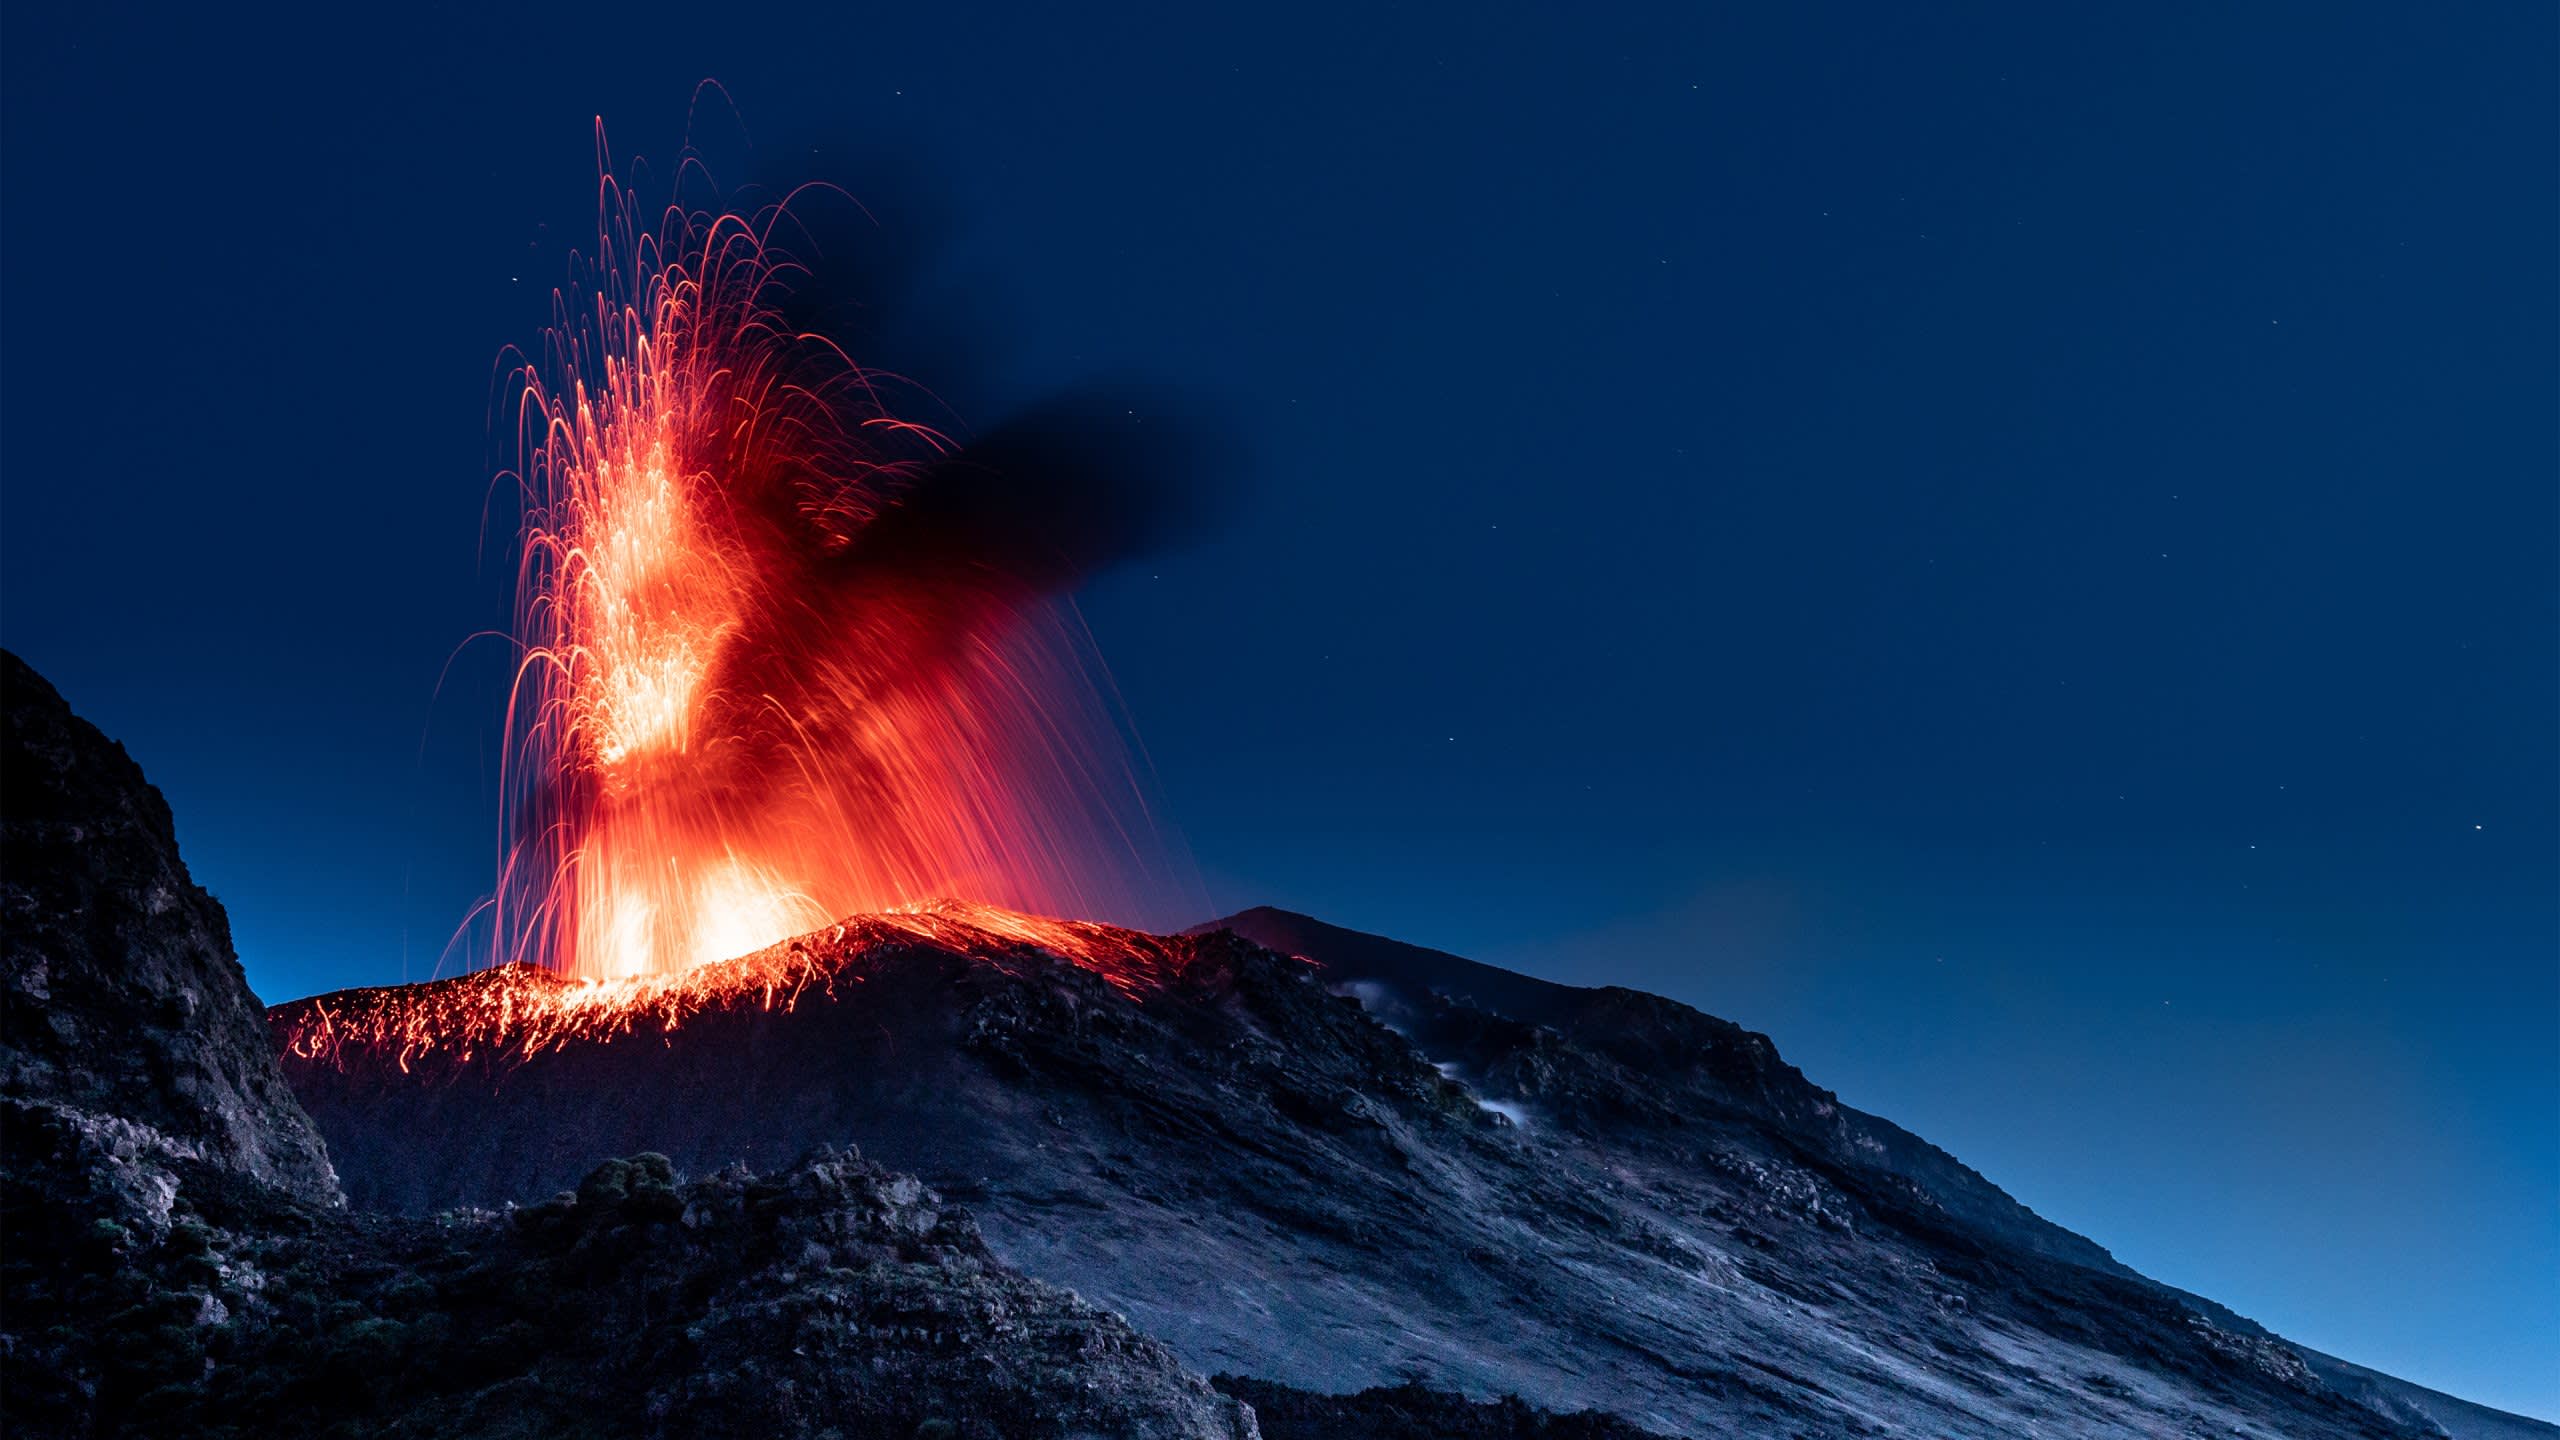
(2013,550)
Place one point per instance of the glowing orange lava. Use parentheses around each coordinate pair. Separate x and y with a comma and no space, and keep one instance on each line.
(746,704)
(516,1012)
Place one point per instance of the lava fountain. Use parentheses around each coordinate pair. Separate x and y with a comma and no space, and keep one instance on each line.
(766,680)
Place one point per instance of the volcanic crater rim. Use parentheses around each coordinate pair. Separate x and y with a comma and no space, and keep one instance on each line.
(519,1009)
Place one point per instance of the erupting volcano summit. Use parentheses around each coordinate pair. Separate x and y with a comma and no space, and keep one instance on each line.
(766,678)
(524,1010)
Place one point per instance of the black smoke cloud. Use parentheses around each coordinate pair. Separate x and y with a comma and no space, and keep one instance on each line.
(1043,492)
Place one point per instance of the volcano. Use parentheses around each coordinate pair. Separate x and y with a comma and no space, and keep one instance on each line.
(1373,1190)
(1332,1161)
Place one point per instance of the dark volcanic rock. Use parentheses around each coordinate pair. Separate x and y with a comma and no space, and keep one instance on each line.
(1445,1180)
(1414,1412)
(1684,1063)
(1646,1213)
(175,1259)
(121,1003)
(831,1299)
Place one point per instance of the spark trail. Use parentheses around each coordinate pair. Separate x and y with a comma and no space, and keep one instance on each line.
(760,687)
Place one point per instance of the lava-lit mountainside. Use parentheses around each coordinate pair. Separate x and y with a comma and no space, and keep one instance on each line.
(520,1010)
(176,1260)
(1341,1181)
(784,650)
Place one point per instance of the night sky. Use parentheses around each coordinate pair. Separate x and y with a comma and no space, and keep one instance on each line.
(2011,550)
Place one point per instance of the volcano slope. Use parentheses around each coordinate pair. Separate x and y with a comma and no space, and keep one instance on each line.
(1373,1172)
(177,1259)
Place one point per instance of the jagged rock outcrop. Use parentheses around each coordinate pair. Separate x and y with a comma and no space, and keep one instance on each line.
(831,1299)
(122,1007)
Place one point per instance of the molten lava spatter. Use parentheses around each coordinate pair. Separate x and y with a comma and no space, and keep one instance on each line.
(524,1010)
(748,701)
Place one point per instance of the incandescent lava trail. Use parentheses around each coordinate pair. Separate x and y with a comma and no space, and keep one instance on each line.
(778,664)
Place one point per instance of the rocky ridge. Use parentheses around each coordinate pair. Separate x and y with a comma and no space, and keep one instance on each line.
(1351,1184)
(832,1298)
(123,1011)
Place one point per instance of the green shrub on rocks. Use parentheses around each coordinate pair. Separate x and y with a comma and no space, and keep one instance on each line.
(653,1188)
(607,1185)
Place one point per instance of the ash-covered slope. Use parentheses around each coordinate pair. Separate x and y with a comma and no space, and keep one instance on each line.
(2426,1409)
(1722,1066)
(1699,1064)
(1625,1206)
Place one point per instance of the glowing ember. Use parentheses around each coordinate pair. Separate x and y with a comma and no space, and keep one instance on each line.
(748,703)
(519,1011)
